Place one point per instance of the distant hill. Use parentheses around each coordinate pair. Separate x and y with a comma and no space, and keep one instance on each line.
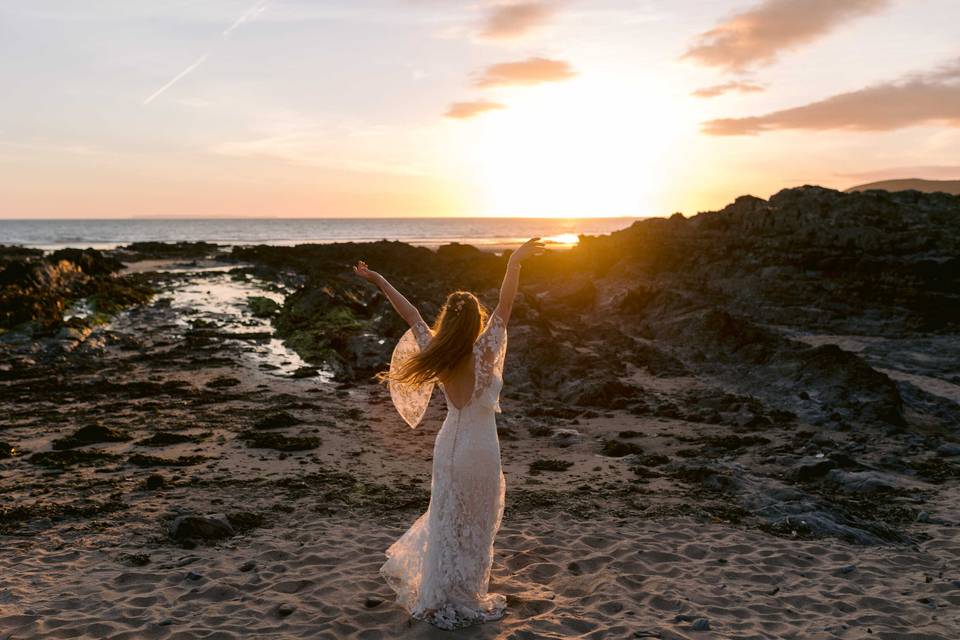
(927,186)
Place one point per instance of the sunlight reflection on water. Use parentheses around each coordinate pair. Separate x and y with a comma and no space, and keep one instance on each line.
(212,298)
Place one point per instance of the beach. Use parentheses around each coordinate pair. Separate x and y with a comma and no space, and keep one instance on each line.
(742,456)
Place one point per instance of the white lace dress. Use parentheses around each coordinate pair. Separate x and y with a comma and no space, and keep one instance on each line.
(440,568)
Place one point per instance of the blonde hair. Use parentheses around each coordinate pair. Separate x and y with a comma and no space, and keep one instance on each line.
(458,325)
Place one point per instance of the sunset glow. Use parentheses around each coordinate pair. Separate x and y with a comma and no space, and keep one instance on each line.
(379,108)
(552,154)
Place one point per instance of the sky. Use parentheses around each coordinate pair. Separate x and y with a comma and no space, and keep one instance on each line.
(381,108)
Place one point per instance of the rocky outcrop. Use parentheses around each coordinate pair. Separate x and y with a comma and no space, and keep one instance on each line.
(38,290)
(712,292)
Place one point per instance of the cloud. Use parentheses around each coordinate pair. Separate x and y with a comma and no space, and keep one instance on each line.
(515,20)
(526,72)
(463,110)
(720,89)
(917,99)
(756,36)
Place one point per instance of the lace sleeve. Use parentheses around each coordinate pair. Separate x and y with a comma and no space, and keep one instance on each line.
(422,333)
(411,401)
(491,348)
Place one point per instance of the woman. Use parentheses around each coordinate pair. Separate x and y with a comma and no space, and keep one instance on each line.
(440,568)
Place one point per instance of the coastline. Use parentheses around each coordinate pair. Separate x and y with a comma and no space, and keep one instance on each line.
(691,431)
(491,234)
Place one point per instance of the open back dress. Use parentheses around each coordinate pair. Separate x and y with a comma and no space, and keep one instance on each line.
(440,568)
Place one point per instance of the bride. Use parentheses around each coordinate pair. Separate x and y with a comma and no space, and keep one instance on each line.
(440,568)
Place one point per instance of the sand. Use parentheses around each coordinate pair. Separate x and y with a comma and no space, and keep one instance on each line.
(563,578)
(591,552)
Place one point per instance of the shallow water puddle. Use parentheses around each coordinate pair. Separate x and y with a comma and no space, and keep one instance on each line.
(213,299)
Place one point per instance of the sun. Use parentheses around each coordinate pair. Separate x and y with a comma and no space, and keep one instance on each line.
(590,147)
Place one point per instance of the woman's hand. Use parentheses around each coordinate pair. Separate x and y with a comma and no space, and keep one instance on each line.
(531,247)
(361,270)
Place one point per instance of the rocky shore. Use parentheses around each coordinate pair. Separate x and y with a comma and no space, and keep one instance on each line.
(765,398)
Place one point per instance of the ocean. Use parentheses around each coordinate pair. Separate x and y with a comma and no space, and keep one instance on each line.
(430,232)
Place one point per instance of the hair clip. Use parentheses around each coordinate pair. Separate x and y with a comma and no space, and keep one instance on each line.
(458,305)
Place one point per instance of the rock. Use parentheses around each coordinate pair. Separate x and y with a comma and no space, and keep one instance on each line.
(263,307)
(243,521)
(90,434)
(650,460)
(862,482)
(89,261)
(809,469)
(540,431)
(549,465)
(578,296)
(305,372)
(372,601)
(278,441)
(618,449)
(64,459)
(38,291)
(136,559)
(151,250)
(7,450)
(285,609)
(277,420)
(847,569)
(606,393)
(168,438)
(249,565)
(141,460)
(155,481)
(196,528)
(701,624)
(194,575)
(223,382)
(565,437)
(367,352)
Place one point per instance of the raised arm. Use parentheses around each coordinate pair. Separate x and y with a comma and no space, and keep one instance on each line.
(406,310)
(511,279)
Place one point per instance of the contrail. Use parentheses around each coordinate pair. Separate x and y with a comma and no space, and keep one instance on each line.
(250,14)
(199,61)
(247,16)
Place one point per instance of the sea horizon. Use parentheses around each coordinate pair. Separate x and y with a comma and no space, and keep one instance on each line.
(110,233)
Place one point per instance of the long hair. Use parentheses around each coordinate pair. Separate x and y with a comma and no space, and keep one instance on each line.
(457,327)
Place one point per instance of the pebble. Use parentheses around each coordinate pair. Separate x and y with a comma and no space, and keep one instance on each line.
(193,575)
(286,609)
(248,565)
(847,569)
(700,624)
(372,601)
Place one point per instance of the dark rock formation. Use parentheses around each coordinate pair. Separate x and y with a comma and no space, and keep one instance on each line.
(90,434)
(38,290)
